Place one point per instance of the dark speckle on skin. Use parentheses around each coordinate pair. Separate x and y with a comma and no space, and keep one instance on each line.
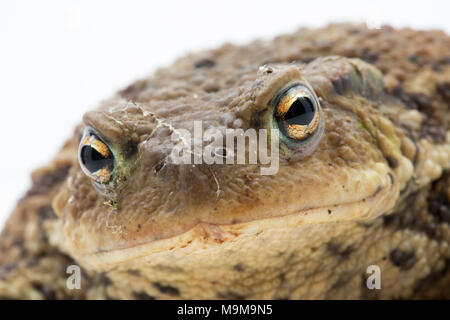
(354,31)
(46,212)
(105,280)
(436,67)
(32,262)
(47,292)
(392,162)
(436,204)
(8,267)
(369,56)
(439,203)
(339,86)
(48,181)
(282,298)
(204,63)
(401,221)
(403,259)
(413,58)
(342,280)
(440,211)
(379,188)
(167,289)
(422,101)
(158,167)
(239,267)
(130,149)
(336,250)
(142,296)
(431,128)
(391,177)
(170,269)
(134,272)
(366,225)
(399,92)
(444,90)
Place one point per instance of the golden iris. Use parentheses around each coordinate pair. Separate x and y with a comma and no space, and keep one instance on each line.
(96,159)
(297,113)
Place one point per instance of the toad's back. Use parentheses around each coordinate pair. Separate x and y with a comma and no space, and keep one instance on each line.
(362,183)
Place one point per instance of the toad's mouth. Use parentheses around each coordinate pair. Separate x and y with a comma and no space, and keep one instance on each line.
(216,238)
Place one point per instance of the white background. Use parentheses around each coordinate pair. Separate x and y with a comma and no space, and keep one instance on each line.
(58,58)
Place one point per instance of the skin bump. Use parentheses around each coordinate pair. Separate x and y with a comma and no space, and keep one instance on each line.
(402,259)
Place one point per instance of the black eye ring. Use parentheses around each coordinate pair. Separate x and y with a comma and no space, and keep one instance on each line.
(96,158)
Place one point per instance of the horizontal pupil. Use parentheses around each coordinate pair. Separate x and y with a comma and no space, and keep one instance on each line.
(301,112)
(93,160)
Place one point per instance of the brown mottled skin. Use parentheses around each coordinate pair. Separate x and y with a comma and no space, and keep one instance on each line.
(375,191)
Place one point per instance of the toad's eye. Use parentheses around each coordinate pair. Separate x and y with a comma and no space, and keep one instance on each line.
(297,113)
(96,159)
